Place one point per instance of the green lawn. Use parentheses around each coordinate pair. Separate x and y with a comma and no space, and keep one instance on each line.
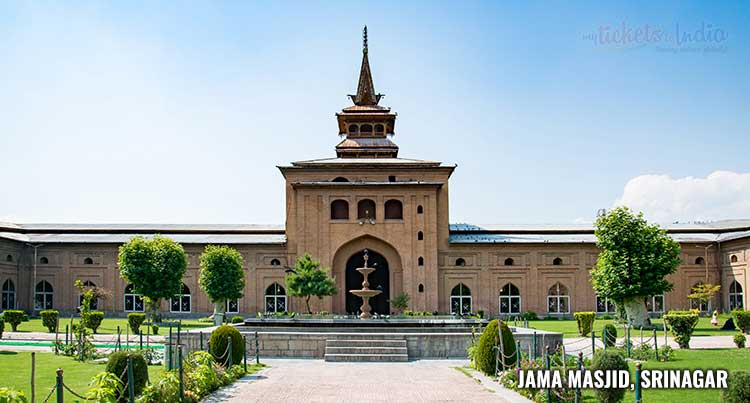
(109,325)
(15,372)
(569,328)
(729,359)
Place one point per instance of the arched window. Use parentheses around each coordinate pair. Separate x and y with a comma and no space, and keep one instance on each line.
(353,128)
(420,261)
(732,259)
(695,304)
(460,262)
(510,299)
(460,300)
(43,260)
(87,285)
(366,209)
(233,306)
(394,210)
(699,260)
(558,300)
(340,179)
(655,303)
(340,210)
(421,288)
(88,260)
(275,262)
(133,301)
(420,236)
(9,295)
(509,261)
(9,258)
(43,295)
(604,305)
(365,128)
(736,297)
(557,261)
(420,210)
(379,128)
(180,303)
(275,298)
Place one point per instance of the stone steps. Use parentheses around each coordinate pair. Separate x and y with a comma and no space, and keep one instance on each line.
(366,350)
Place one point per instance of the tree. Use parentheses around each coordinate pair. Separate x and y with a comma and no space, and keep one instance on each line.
(222,277)
(702,293)
(307,279)
(155,268)
(634,260)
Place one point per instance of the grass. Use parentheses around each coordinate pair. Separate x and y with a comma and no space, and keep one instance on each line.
(729,359)
(569,328)
(108,326)
(15,372)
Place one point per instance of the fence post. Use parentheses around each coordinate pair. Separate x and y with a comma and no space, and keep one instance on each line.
(257,350)
(230,357)
(244,344)
(534,345)
(593,342)
(638,398)
(179,366)
(169,347)
(605,337)
(656,348)
(118,346)
(201,339)
(140,339)
(66,334)
(518,353)
(57,330)
(502,347)
(131,381)
(580,367)
(497,356)
(59,386)
(127,337)
(628,340)
(33,370)
(546,365)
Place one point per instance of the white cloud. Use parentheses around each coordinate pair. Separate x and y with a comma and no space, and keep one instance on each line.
(720,195)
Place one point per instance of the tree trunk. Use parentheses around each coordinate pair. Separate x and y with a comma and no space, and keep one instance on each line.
(219,313)
(637,315)
(154,308)
(307,302)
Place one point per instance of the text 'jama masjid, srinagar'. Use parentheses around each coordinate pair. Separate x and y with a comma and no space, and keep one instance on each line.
(396,208)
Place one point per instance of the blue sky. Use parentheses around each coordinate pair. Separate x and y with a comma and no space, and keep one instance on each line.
(180,111)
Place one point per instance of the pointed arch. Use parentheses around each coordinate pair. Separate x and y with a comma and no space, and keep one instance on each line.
(460,302)
(558,299)
(510,299)
(275,298)
(9,295)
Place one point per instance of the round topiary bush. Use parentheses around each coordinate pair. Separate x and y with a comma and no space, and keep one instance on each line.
(14,317)
(219,338)
(610,331)
(93,320)
(609,360)
(738,388)
(49,319)
(739,340)
(135,320)
(484,359)
(118,362)
(237,319)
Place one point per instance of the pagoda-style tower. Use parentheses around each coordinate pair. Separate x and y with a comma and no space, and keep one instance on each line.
(366,124)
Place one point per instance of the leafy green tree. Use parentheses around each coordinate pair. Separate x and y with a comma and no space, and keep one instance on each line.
(702,294)
(634,260)
(155,268)
(222,277)
(307,279)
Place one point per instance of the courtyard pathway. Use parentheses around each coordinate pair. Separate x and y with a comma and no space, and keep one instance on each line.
(319,381)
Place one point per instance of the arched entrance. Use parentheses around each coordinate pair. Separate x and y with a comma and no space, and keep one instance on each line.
(379,280)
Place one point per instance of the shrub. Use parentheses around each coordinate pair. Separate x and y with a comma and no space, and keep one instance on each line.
(237,319)
(219,344)
(8,395)
(484,356)
(154,329)
(2,326)
(92,320)
(400,302)
(666,353)
(135,320)
(118,362)
(14,317)
(741,320)
(739,340)
(585,322)
(738,388)
(529,315)
(609,360)
(610,331)
(49,319)
(681,324)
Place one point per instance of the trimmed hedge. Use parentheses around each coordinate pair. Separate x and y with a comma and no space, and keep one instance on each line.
(14,317)
(118,362)
(609,360)
(93,320)
(135,320)
(742,320)
(681,323)
(585,322)
(738,388)
(739,340)
(219,343)
(237,319)
(484,358)
(49,319)
(611,332)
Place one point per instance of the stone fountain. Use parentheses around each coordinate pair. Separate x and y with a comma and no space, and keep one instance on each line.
(365,293)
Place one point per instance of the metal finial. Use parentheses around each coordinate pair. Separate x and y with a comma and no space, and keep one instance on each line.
(364,39)
(366,257)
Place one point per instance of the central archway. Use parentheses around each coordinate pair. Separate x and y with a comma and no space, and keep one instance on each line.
(379,280)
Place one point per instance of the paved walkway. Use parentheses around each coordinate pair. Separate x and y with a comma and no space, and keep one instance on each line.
(319,381)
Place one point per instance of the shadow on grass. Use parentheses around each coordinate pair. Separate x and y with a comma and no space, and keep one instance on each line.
(3,352)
